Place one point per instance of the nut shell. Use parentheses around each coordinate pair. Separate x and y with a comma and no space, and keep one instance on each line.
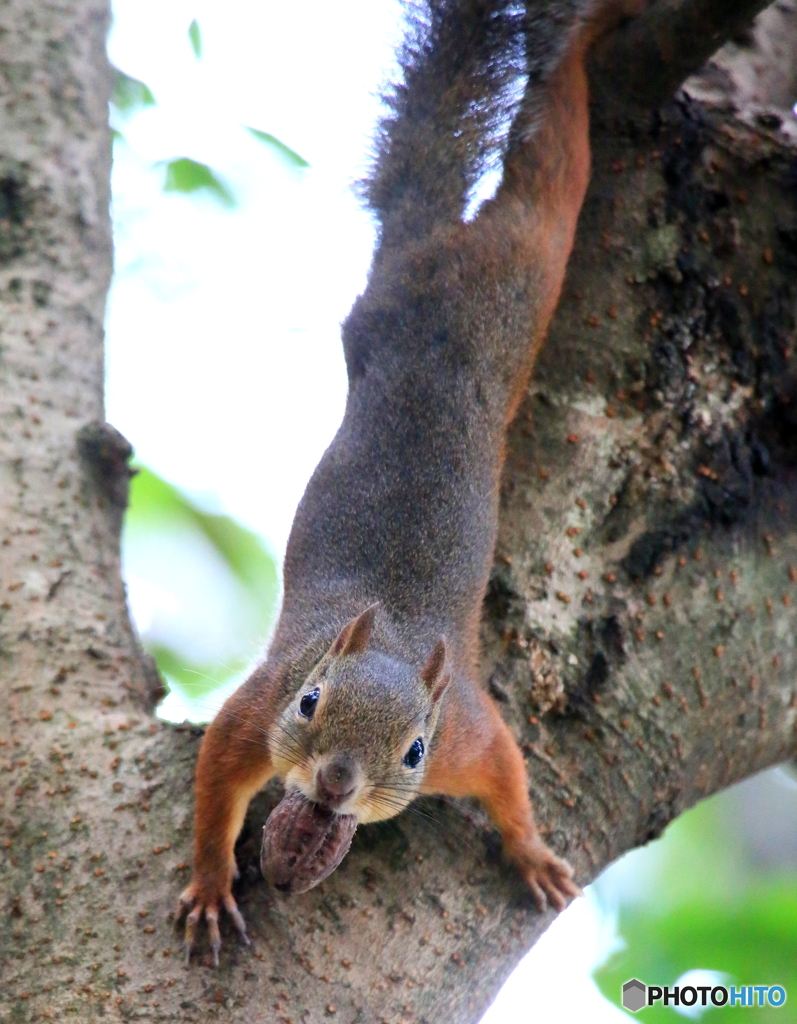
(303,843)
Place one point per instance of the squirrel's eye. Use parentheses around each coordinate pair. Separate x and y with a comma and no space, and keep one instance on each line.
(308,702)
(413,756)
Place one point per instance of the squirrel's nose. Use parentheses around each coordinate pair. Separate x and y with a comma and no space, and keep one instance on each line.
(335,781)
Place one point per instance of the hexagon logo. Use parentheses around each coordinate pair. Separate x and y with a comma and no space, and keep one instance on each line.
(634,995)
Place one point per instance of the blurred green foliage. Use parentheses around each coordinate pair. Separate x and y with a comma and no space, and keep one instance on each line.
(157,507)
(129,94)
(289,155)
(184,175)
(195,38)
(187,176)
(704,906)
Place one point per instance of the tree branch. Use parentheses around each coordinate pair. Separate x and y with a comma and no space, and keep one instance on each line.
(639,628)
(643,63)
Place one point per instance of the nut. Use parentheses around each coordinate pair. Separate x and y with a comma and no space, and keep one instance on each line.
(303,843)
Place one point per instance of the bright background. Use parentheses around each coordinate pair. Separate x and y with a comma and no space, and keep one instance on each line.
(237,256)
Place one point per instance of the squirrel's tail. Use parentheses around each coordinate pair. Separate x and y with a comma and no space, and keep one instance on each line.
(466,66)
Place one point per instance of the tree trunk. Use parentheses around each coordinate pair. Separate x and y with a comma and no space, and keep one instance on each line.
(639,626)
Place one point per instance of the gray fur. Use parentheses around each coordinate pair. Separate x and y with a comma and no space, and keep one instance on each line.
(402,509)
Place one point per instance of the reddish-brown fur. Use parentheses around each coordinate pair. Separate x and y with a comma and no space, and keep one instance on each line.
(508,265)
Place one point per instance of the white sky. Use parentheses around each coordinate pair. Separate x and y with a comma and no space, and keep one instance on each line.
(225,369)
(224,362)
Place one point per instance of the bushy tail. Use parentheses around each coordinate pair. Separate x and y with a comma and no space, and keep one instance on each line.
(466,66)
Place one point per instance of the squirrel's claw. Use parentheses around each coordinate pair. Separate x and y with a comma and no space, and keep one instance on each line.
(550,879)
(194,906)
(237,918)
(191,921)
(212,919)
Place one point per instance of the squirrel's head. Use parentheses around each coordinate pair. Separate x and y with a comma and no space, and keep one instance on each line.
(356,735)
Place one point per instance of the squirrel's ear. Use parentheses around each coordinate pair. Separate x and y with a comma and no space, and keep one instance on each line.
(434,672)
(354,637)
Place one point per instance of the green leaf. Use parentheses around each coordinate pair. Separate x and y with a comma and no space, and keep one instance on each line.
(195,38)
(187,176)
(129,94)
(287,154)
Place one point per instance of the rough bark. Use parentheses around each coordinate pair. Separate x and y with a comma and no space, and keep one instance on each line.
(638,628)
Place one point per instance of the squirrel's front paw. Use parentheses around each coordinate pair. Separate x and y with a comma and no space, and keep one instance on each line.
(549,877)
(203,900)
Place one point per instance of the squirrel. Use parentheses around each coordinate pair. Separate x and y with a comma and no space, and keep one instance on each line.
(369,693)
